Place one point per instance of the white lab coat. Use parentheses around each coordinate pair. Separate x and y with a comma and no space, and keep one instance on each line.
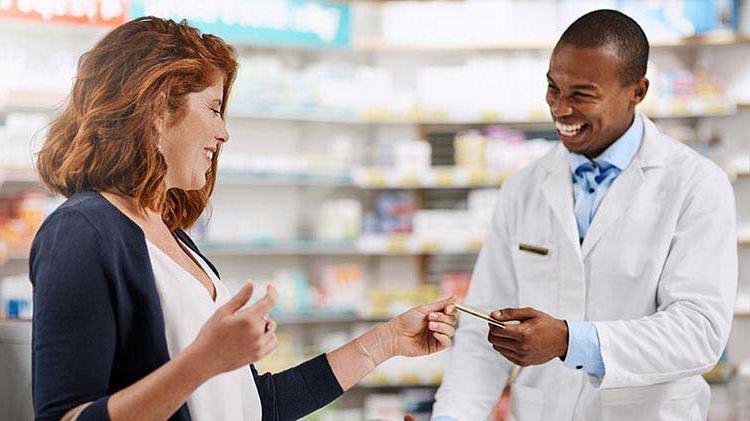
(656,273)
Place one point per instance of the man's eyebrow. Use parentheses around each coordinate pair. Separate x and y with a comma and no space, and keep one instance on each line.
(583,86)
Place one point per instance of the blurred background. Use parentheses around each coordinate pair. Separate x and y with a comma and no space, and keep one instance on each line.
(368,142)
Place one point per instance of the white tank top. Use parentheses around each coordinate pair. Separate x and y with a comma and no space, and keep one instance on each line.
(187,305)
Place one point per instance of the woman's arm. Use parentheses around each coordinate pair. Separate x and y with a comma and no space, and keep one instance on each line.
(159,395)
(241,337)
(420,331)
(300,390)
(74,335)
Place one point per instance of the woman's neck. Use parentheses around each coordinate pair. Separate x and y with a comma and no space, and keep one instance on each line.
(130,207)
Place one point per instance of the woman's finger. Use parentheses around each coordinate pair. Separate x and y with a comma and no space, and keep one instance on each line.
(437,316)
(444,340)
(440,305)
(443,328)
(271,324)
(271,342)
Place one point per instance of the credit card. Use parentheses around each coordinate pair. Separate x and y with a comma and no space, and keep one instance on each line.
(479,313)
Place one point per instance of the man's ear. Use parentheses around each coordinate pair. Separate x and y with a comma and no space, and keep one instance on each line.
(640,91)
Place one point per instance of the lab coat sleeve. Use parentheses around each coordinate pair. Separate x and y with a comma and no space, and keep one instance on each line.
(695,297)
(476,373)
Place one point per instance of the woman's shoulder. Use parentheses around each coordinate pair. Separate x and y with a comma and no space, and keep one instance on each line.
(89,214)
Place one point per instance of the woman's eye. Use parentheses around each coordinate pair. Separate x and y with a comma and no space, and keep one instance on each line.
(217,112)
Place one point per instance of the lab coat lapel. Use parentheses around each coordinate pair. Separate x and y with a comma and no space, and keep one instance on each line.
(558,190)
(615,203)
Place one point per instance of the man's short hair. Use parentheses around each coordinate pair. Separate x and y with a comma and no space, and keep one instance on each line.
(615,29)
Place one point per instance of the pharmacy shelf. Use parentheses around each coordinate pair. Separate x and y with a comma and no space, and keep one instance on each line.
(288,248)
(411,245)
(31,102)
(369,245)
(432,178)
(685,109)
(375,386)
(248,178)
(18,177)
(18,257)
(381,46)
(362,177)
(51,102)
(324,318)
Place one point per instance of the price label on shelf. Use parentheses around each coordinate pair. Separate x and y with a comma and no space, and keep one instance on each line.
(430,246)
(477,177)
(396,244)
(443,178)
(473,245)
(407,180)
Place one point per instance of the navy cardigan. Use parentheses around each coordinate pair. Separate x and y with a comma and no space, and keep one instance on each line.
(98,325)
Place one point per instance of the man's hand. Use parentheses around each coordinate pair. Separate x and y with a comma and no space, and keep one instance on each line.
(537,339)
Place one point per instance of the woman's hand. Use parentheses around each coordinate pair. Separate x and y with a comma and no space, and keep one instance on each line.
(424,330)
(234,337)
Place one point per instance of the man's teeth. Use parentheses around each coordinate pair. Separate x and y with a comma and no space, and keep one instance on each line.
(209,154)
(568,129)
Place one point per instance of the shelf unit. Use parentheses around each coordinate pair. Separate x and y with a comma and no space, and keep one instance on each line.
(49,104)
(381,46)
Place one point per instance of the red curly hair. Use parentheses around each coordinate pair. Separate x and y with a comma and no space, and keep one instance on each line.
(106,138)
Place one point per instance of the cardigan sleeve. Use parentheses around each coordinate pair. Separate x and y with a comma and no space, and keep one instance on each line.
(74,332)
(298,391)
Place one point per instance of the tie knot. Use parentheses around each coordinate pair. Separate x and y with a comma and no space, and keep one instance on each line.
(591,174)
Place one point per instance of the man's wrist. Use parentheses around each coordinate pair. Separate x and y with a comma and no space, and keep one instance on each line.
(564,344)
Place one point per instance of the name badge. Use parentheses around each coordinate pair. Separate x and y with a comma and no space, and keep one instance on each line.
(533,249)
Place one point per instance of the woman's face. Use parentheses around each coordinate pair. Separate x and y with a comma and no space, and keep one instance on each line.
(189,146)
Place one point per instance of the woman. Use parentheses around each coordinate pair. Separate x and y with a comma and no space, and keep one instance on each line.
(131,321)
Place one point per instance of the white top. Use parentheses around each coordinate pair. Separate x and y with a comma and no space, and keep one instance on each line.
(187,305)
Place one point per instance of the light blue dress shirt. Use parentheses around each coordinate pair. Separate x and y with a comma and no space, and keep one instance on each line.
(591,181)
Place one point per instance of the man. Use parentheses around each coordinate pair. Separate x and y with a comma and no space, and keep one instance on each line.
(616,254)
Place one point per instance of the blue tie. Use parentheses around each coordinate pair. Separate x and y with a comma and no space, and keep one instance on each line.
(588,177)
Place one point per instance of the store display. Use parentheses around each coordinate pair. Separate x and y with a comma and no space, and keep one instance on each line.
(15,297)
(361,178)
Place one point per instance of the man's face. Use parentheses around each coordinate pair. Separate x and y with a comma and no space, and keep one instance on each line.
(590,105)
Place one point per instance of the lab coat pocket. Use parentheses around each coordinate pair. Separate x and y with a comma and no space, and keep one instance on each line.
(527,403)
(680,400)
(537,275)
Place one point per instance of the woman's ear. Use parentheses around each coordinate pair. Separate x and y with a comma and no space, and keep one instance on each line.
(160,122)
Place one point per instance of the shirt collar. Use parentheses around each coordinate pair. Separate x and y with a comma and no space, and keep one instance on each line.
(620,153)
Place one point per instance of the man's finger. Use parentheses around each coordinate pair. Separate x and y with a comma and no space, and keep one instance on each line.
(240,298)
(510,332)
(505,344)
(511,356)
(508,314)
